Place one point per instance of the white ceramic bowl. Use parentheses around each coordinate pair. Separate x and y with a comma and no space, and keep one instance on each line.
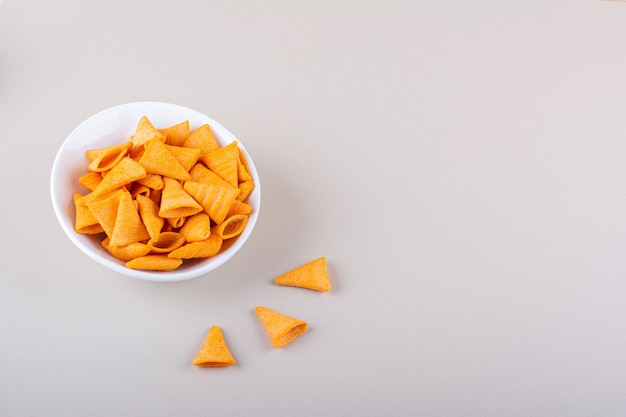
(114,126)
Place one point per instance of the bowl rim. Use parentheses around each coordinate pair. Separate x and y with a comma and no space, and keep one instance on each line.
(194,268)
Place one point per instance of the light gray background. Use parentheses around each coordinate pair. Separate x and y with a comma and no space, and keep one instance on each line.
(461,164)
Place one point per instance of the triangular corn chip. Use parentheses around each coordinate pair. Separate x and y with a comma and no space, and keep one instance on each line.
(136,153)
(245,188)
(231,226)
(242,172)
(90,180)
(243,161)
(200,173)
(281,329)
(104,208)
(202,138)
(149,212)
(214,352)
(139,189)
(223,162)
(215,197)
(157,159)
(201,249)
(177,134)
(239,207)
(176,222)
(186,156)
(128,225)
(166,242)
(153,181)
(126,253)
(196,227)
(85,223)
(312,275)
(145,132)
(154,263)
(176,202)
(125,172)
(104,159)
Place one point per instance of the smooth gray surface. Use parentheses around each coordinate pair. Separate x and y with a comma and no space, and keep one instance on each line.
(462,166)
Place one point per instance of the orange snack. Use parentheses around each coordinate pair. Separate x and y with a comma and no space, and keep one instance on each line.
(125,172)
(281,329)
(126,253)
(231,226)
(85,222)
(176,134)
(202,138)
(245,188)
(176,202)
(201,249)
(196,227)
(128,226)
(157,159)
(312,275)
(186,156)
(239,207)
(149,212)
(90,180)
(166,242)
(224,162)
(215,197)
(214,352)
(145,132)
(104,159)
(154,263)
(153,181)
(104,209)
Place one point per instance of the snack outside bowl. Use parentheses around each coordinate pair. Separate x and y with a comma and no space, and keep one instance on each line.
(115,126)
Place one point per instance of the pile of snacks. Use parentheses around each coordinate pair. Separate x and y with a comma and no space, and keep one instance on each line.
(164,196)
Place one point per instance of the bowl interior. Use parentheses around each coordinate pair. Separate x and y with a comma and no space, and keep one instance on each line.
(114,126)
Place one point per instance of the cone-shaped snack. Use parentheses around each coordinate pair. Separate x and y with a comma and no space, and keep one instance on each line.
(196,227)
(125,172)
(201,249)
(186,156)
(139,189)
(175,222)
(232,226)
(312,275)
(126,253)
(153,181)
(145,132)
(104,208)
(245,188)
(224,162)
(176,202)
(90,180)
(128,225)
(242,171)
(281,329)
(104,159)
(154,263)
(149,212)
(201,173)
(157,159)
(85,223)
(214,352)
(215,197)
(202,138)
(166,242)
(239,207)
(177,134)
